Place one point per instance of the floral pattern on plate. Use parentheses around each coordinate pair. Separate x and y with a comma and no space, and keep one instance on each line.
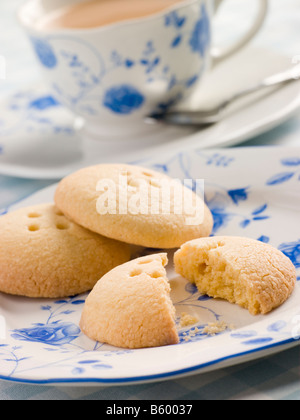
(43,342)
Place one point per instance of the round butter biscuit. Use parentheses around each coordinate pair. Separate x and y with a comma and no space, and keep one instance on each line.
(134,205)
(45,255)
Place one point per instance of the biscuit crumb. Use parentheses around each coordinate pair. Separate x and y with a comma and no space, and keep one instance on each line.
(214,328)
(186,320)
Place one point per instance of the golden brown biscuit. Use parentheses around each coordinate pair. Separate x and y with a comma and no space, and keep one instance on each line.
(130,307)
(147,222)
(43,254)
(250,273)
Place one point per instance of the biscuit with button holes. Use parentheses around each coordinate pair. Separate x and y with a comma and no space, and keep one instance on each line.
(45,255)
(131,307)
(134,205)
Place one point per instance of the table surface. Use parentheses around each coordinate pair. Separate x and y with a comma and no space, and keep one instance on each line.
(273,378)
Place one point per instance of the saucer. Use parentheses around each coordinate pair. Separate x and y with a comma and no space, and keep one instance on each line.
(40,139)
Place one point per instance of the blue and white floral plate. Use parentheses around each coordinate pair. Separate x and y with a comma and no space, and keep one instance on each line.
(41,139)
(251,192)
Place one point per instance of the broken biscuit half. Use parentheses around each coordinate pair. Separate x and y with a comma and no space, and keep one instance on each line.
(243,271)
(130,307)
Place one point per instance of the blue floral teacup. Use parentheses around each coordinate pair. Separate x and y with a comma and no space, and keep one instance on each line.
(114,76)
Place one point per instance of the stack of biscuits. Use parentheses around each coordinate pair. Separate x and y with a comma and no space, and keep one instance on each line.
(85,242)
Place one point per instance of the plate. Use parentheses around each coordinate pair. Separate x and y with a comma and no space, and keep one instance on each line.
(43,343)
(40,139)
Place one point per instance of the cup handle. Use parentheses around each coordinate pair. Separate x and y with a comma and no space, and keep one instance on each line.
(218,55)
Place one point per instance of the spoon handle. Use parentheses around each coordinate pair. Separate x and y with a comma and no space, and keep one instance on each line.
(278,79)
(212,116)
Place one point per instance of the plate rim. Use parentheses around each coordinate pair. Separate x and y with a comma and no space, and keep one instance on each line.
(194,370)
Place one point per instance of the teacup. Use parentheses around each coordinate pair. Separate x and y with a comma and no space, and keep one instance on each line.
(114,76)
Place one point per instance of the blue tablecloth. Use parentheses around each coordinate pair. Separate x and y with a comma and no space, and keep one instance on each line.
(273,378)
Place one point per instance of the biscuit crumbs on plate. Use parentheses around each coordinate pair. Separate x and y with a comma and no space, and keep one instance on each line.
(190,334)
(214,328)
(186,320)
(211,329)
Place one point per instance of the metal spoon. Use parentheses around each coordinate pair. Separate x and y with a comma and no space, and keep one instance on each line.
(214,115)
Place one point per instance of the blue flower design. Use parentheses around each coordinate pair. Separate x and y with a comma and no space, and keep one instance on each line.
(201,36)
(55,334)
(256,215)
(191,288)
(173,19)
(293,161)
(216,159)
(258,341)
(43,103)
(238,195)
(150,65)
(218,204)
(44,52)
(176,41)
(280,178)
(292,251)
(192,80)
(265,239)
(123,99)
(277,326)
(221,218)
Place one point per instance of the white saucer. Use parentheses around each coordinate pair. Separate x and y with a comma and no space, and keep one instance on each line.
(38,138)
